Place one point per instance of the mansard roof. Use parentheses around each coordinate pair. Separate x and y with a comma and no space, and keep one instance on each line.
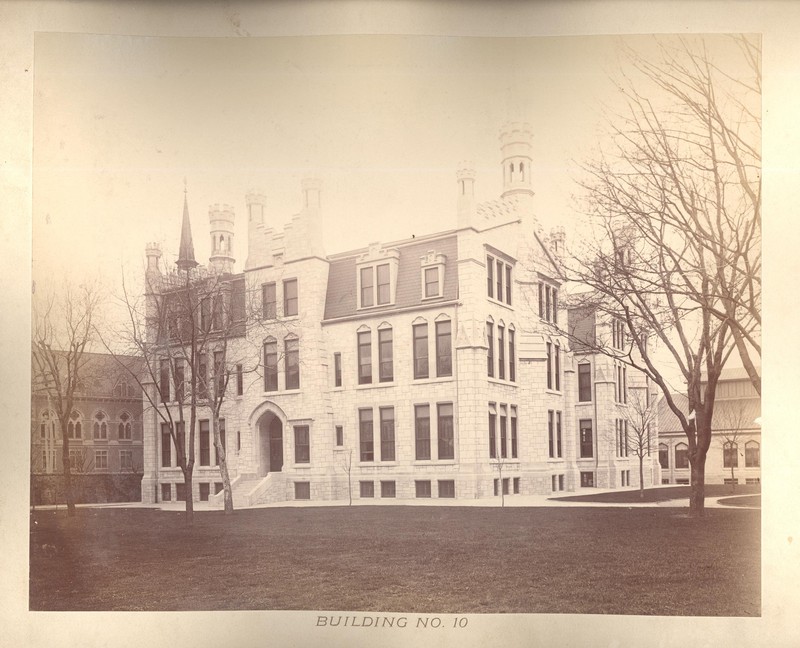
(342,299)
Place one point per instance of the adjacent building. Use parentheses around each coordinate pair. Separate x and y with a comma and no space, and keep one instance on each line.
(104,432)
(734,456)
(431,367)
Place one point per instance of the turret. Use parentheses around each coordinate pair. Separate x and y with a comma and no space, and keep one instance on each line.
(221,220)
(312,215)
(516,159)
(465,179)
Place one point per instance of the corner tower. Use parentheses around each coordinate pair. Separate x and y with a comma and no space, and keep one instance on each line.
(221,221)
(516,159)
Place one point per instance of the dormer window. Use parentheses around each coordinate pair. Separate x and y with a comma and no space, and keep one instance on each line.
(377,276)
(432,265)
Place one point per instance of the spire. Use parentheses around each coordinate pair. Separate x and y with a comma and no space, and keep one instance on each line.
(186,253)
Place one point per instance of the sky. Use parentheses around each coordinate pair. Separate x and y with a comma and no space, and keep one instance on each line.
(122,122)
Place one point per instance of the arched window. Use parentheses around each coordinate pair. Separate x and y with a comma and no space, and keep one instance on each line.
(124,428)
(511,169)
(730,455)
(663,455)
(522,171)
(75,426)
(100,426)
(48,434)
(752,454)
(681,456)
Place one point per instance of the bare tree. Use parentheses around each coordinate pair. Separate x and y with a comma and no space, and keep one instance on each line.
(63,328)
(642,412)
(731,421)
(675,198)
(346,464)
(499,463)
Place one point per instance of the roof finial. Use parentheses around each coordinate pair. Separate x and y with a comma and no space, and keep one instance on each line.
(184,185)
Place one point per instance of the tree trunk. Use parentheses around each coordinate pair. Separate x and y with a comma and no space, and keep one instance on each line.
(223,468)
(698,486)
(187,479)
(68,493)
(641,477)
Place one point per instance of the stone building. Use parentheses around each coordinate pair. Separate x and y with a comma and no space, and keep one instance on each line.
(104,431)
(432,367)
(734,456)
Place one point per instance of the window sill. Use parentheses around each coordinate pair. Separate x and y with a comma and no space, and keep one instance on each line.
(434,380)
(497,302)
(432,298)
(376,385)
(553,392)
(501,381)
(301,466)
(287,392)
(555,460)
(434,462)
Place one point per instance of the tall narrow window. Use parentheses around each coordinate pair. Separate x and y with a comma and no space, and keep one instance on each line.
(290,297)
(558,367)
(503,433)
(508,285)
(367,287)
(444,360)
(512,367)
(490,351)
(385,356)
(216,312)
(202,376)
(555,306)
(752,452)
(166,446)
(164,380)
(490,276)
(292,346)
(501,352)
(422,427)
(180,380)
(499,281)
(384,293)
(445,431)
(180,446)
(541,300)
(681,456)
(624,384)
(337,369)
(268,301)
(205,314)
(551,441)
(387,433)
(584,382)
(420,332)
(549,365)
(432,282)
(547,300)
(514,441)
(302,452)
(364,358)
(205,447)
(339,435)
(239,380)
(367,444)
(586,440)
(663,455)
(270,366)
(492,435)
(558,435)
(100,426)
(219,375)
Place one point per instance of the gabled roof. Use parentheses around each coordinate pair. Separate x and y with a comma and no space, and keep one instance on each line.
(341,297)
(729,413)
(100,373)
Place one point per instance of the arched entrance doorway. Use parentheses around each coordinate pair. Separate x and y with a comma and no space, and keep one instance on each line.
(270,435)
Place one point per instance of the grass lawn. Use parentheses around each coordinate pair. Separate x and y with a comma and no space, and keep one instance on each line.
(663,494)
(744,500)
(400,559)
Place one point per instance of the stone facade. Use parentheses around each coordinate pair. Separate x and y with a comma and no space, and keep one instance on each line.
(413,356)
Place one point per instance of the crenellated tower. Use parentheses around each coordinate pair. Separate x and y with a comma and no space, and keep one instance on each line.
(516,159)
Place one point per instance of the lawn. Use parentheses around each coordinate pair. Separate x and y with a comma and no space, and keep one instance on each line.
(400,559)
(662,494)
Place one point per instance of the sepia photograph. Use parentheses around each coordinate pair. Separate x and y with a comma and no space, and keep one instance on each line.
(357,323)
(394,339)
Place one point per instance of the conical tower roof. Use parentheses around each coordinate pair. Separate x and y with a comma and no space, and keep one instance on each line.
(186,259)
